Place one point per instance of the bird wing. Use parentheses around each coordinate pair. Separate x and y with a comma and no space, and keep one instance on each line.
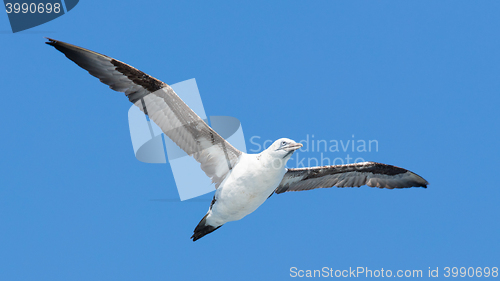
(351,175)
(157,100)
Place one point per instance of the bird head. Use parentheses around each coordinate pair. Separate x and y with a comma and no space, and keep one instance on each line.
(283,148)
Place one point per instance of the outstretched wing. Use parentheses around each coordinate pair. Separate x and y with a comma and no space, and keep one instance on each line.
(351,175)
(157,99)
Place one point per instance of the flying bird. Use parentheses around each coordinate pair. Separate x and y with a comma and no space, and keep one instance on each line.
(242,181)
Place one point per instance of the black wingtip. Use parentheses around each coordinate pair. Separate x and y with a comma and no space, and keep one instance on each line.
(424,184)
(420,184)
(203,229)
(51,41)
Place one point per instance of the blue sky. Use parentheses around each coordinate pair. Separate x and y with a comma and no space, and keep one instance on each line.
(421,78)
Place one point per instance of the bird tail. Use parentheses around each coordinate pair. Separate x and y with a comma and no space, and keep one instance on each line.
(203,229)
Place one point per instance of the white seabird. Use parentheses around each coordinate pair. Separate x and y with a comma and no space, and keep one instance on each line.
(242,181)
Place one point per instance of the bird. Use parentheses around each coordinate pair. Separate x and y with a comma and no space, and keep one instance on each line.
(243,181)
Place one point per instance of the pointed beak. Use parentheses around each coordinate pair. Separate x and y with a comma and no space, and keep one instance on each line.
(293,147)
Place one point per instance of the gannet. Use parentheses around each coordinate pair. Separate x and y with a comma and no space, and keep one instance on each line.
(242,181)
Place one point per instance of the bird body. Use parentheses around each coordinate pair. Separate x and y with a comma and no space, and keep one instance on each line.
(247,186)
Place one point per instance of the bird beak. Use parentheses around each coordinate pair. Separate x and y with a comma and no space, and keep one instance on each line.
(292,147)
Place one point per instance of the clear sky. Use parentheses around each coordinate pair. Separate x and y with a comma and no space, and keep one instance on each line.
(422,78)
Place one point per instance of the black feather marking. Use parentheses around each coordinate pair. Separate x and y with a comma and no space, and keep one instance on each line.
(138,77)
(144,107)
(213,202)
(203,229)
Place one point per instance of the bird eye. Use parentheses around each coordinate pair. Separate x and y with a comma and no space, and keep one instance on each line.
(283,142)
